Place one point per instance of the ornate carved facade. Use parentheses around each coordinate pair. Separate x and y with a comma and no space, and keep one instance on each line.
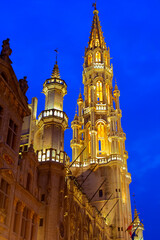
(43,195)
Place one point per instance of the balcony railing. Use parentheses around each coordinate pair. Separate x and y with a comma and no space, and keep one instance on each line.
(98,65)
(53,113)
(55,80)
(53,156)
(100,107)
(98,160)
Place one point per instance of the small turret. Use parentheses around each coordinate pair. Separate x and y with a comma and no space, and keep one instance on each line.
(116,94)
(80,105)
(53,120)
(76,141)
(138,227)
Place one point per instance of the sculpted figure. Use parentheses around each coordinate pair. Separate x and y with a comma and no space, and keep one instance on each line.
(6,51)
(23,85)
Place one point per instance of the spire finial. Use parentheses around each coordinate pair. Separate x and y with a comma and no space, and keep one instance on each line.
(76,116)
(134,200)
(94,5)
(116,87)
(76,108)
(56,50)
(55,72)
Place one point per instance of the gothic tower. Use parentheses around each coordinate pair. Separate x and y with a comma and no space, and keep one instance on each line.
(101,169)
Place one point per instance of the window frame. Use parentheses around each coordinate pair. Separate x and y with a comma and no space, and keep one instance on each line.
(12,134)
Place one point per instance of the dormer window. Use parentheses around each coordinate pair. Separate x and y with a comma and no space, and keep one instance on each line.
(97,57)
(97,43)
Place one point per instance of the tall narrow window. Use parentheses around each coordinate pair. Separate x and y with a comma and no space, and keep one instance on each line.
(101,138)
(89,95)
(33,227)
(24,226)
(108,93)
(4,194)
(98,57)
(99,91)
(12,131)
(97,42)
(105,59)
(89,142)
(16,218)
(89,59)
(29,180)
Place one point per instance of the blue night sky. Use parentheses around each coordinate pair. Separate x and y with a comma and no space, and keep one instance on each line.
(132,31)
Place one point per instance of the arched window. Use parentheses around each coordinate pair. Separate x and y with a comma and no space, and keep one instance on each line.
(89,59)
(98,57)
(101,138)
(99,91)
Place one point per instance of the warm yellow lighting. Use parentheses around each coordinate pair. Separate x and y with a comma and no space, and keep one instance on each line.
(99,91)
(101,138)
(89,142)
(105,59)
(89,59)
(97,57)
(89,95)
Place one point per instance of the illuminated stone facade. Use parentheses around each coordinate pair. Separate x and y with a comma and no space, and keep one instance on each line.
(43,195)
(98,128)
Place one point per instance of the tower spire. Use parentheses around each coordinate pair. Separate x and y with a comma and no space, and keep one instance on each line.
(55,72)
(96,38)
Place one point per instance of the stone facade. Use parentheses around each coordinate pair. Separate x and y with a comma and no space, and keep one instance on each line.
(43,195)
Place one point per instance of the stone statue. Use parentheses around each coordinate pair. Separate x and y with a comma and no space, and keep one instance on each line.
(23,85)
(6,51)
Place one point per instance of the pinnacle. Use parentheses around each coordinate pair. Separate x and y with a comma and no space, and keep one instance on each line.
(136,217)
(80,95)
(96,38)
(116,87)
(55,72)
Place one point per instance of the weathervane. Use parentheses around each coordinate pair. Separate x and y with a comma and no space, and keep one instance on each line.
(134,199)
(56,50)
(94,5)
